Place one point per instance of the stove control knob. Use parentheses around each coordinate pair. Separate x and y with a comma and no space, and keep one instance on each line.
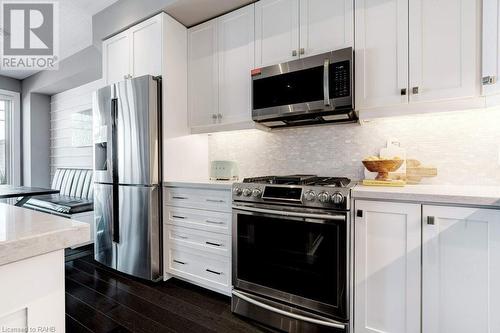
(247,192)
(237,191)
(256,193)
(337,198)
(310,195)
(324,197)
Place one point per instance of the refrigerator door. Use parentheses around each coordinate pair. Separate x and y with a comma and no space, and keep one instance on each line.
(137,131)
(104,248)
(138,250)
(102,108)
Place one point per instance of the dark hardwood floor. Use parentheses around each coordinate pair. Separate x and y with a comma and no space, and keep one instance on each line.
(101,300)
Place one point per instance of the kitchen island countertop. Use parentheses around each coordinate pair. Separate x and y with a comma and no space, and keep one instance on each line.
(26,233)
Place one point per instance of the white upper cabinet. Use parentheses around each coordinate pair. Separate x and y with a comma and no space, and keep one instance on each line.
(290,29)
(461,270)
(146,47)
(387,267)
(236,60)
(276,31)
(116,58)
(203,81)
(381,53)
(444,49)
(416,51)
(136,51)
(325,25)
(491,45)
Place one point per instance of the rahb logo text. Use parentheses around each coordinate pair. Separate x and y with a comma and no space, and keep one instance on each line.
(30,32)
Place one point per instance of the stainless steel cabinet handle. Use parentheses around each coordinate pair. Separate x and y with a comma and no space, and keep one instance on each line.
(431,220)
(294,53)
(213,272)
(403,92)
(415,90)
(182,237)
(214,222)
(489,80)
(326,82)
(178,217)
(179,198)
(179,262)
(302,50)
(215,200)
(219,116)
(214,244)
(334,324)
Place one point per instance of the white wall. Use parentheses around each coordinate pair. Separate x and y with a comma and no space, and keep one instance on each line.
(62,107)
(465,146)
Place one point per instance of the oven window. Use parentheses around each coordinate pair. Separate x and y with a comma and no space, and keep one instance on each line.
(292,256)
(301,86)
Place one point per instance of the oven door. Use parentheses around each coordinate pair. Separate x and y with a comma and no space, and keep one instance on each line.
(292,256)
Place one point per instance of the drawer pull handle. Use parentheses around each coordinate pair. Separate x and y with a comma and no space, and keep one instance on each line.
(213,272)
(178,217)
(214,222)
(214,244)
(179,262)
(179,198)
(214,200)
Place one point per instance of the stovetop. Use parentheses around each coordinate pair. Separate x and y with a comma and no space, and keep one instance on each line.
(308,191)
(309,180)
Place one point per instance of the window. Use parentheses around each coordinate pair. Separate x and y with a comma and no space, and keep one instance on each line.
(10,148)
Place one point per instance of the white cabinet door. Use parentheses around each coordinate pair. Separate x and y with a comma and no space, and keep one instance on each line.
(236,60)
(146,41)
(444,44)
(276,31)
(491,44)
(203,81)
(461,270)
(325,25)
(387,267)
(381,53)
(116,58)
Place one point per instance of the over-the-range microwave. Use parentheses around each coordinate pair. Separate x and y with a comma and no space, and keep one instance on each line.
(307,91)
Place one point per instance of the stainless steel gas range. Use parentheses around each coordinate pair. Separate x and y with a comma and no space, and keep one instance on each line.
(291,241)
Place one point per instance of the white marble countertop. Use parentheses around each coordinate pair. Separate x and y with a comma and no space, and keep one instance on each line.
(201,183)
(26,233)
(443,194)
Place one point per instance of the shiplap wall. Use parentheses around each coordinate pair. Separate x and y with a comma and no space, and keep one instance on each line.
(63,106)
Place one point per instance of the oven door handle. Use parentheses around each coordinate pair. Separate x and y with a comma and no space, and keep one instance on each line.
(333,324)
(291,214)
(326,82)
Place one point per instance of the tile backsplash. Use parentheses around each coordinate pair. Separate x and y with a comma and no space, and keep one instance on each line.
(464,146)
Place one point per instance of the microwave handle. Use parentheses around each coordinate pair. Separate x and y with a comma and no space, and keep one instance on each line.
(326,82)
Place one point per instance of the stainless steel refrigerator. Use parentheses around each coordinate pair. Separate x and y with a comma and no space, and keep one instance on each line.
(127,176)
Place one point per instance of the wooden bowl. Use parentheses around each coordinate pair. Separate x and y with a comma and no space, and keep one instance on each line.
(383,167)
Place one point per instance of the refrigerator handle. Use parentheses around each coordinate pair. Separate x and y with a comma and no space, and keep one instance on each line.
(114,170)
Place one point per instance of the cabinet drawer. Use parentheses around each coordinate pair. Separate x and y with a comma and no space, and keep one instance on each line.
(216,200)
(198,219)
(208,242)
(211,269)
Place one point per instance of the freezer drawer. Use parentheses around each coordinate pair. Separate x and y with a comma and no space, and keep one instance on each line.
(138,249)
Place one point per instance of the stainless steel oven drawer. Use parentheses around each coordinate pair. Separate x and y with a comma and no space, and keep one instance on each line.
(281,316)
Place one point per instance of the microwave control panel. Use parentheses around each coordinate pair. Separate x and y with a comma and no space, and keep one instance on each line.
(340,73)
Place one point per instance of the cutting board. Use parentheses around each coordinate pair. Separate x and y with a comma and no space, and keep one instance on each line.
(415,171)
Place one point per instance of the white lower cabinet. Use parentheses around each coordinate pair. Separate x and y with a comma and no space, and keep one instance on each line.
(197,236)
(424,268)
(387,267)
(461,270)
